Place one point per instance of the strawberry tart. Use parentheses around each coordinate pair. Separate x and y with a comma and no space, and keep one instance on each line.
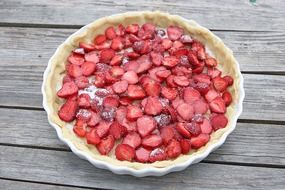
(143,90)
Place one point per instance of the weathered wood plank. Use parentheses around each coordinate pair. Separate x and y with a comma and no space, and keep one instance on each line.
(66,168)
(16,185)
(266,142)
(230,15)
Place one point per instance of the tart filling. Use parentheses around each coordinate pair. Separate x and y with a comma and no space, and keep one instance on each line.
(143,93)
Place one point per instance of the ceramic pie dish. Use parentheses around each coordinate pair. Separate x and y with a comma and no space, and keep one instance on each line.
(119,163)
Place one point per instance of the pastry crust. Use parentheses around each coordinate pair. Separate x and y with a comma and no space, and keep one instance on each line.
(223,55)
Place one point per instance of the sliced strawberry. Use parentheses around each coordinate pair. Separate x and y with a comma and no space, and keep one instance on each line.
(193,128)
(67,89)
(203,78)
(110,33)
(186,111)
(227,97)
(153,106)
(132,29)
(83,114)
(117,71)
(68,110)
(152,88)
(108,113)
(81,82)
(199,141)
(96,105)
(94,120)
(184,61)
(156,58)
(76,59)
(132,55)
(186,39)
(124,152)
(144,64)
(103,128)
(185,146)
(170,61)
(182,71)
(133,112)
(106,55)
(181,128)
(211,95)
(220,84)
(219,121)
(181,80)
(99,79)
(116,60)
(131,126)
(163,74)
(117,130)
(120,86)
(173,149)
(196,45)
(120,30)
(152,73)
(218,105)
(131,77)
(87,47)
(148,27)
(214,72)
(102,92)
(83,101)
(125,100)
(88,68)
(211,62)
(104,45)
(193,58)
(102,67)
(117,44)
(92,137)
(198,69)
(106,145)
(202,87)
(201,54)
(74,70)
(131,66)
(206,126)
(198,118)
(190,95)
(142,155)
(174,32)
(101,38)
(163,119)
(111,101)
(169,93)
(121,114)
(80,128)
(66,79)
(145,125)
(136,92)
(178,53)
(91,57)
(200,107)
(133,38)
(133,139)
(170,81)
(157,154)
(79,51)
(152,141)
(176,102)
(229,80)
(167,133)
(142,47)
(166,43)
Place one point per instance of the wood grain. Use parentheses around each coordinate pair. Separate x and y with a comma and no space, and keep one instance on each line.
(266,142)
(66,168)
(222,15)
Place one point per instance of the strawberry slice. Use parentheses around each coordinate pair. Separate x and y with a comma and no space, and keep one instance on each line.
(125,100)
(142,47)
(117,130)
(132,29)
(116,60)
(218,105)
(132,55)
(152,88)
(125,152)
(180,52)
(91,57)
(203,88)
(200,107)
(181,80)
(99,79)
(198,69)
(174,32)
(156,58)
(87,47)
(108,113)
(76,59)
(94,119)
(220,84)
(206,126)
(104,45)
(80,128)
(67,89)
(227,97)
(176,102)
(106,145)
(166,43)
(153,106)
(190,95)
(186,39)
(193,58)
(145,125)
(88,68)
(131,77)
(83,114)
(229,80)
(133,139)
(163,74)
(152,73)
(219,121)
(181,71)
(185,146)
(111,101)
(130,125)
(203,78)
(142,155)
(92,137)
(173,149)
(170,81)
(116,71)
(133,112)
(201,54)
(100,39)
(169,93)
(199,141)
(144,64)
(117,44)
(136,92)
(74,70)
(79,51)
(193,128)
(133,38)
(211,62)
(181,128)
(131,66)
(196,45)
(102,67)
(120,86)
(121,114)
(170,61)
(186,111)
(68,110)
(152,141)
(81,82)
(211,95)
(167,133)
(120,30)
(83,101)
(103,128)
(110,33)
(214,72)
(66,79)
(157,154)
(106,55)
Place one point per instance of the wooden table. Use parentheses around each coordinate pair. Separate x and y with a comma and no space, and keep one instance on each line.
(32,157)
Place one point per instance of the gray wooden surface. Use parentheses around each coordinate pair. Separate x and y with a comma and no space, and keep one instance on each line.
(32,157)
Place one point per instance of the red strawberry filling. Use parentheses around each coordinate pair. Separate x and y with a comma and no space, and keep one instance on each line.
(148,93)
